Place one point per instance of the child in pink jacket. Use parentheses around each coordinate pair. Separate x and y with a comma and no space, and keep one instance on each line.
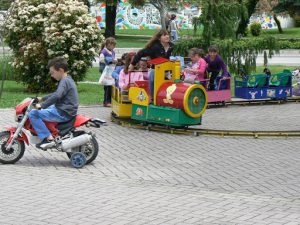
(198,69)
(128,78)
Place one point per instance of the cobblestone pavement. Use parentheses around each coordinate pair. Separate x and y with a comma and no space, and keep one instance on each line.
(143,177)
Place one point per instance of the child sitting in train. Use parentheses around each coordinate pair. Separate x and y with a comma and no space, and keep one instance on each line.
(215,64)
(120,65)
(144,67)
(196,72)
(126,78)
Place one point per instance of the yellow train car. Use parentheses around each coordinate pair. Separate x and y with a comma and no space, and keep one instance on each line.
(174,102)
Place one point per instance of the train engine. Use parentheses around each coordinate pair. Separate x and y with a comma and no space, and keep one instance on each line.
(174,102)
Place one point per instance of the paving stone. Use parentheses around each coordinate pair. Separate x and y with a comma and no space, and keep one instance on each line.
(143,177)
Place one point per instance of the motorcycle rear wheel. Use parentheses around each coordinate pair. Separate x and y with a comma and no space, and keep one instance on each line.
(90,149)
(12,155)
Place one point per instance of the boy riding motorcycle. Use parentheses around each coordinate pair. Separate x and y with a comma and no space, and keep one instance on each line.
(59,106)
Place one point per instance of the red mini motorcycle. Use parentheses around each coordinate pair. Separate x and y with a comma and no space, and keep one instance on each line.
(80,146)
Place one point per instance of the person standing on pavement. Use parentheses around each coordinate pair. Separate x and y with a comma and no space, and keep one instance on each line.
(107,56)
(173,28)
(158,46)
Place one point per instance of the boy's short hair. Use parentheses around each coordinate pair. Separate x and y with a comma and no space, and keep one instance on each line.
(57,63)
(110,40)
(213,48)
(173,16)
(196,51)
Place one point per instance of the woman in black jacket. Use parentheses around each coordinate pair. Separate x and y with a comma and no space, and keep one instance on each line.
(159,46)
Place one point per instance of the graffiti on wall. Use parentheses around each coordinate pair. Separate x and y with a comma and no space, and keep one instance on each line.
(266,21)
(146,17)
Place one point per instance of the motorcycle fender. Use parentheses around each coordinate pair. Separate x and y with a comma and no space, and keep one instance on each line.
(81,119)
(23,136)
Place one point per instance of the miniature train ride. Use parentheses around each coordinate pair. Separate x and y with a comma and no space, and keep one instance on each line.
(175,103)
(264,86)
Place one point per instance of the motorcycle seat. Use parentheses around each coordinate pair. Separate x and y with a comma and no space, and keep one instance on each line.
(66,127)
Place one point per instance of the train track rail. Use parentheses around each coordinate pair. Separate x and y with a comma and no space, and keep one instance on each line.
(200,132)
(213,132)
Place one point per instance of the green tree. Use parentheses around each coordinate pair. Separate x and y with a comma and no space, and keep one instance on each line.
(5,4)
(250,6)
(38,30)
(292,7)
(220,18)
(162,6)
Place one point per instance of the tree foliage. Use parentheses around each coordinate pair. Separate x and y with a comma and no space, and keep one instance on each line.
(220,18)
(239,54)
(38,30)
(292,7)
(250,6)
(5,4)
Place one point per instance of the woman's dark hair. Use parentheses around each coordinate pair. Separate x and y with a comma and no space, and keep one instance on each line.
(57,63)
(156,37)
(213,48)
(196,51)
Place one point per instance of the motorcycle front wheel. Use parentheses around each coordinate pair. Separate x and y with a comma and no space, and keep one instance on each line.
(12,155)
(90,149)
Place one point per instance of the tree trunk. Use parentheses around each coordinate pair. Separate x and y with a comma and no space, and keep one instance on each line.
(110,20)
(251,4)
(277,23)
(162,13)
(159,5)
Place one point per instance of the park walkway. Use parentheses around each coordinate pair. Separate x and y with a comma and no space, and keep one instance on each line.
(143,177)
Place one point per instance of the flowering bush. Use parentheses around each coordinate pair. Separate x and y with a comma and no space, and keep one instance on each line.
(38,30)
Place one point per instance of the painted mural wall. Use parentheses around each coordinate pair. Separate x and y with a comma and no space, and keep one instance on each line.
(268,22)
(147,17)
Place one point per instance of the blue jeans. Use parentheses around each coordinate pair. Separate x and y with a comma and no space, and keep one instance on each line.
(174,35)
(50,114)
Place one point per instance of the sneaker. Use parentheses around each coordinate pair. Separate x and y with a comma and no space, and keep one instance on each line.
(44,144)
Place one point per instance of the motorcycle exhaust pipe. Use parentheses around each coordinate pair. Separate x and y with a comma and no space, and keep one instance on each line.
(75,142)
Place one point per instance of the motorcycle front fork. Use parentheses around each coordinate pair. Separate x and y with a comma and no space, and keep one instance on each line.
(17,132)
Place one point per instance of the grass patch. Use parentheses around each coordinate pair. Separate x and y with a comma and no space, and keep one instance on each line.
(131,38)
(14,93)
(93,74)
(274,69)
(288,33)
(150,33)
(90,94)
(131,41)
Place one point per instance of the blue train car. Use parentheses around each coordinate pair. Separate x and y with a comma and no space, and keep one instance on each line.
(262,86)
